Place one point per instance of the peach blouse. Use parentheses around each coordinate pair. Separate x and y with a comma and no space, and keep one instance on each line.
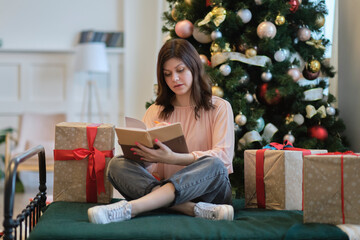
(211,134)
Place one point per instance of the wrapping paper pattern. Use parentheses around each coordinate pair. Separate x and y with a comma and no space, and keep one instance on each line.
(282,179)
(322,189)
(70,175)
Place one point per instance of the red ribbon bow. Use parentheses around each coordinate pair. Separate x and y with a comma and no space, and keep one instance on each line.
(260,184)
(96,163)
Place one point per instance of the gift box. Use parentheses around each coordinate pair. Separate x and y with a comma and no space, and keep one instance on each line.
(332,188)
(273,178)
(82,153)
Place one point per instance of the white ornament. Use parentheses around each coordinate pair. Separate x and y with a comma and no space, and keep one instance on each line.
(266,30)
(304,34)
(249,98)
(216,34)
(200,36)
(299,119)
(294,73)
(258,2)
(280,55)
(289,137)
(240,119)
(330,111)
(266,76)
(225,69)
(245,15)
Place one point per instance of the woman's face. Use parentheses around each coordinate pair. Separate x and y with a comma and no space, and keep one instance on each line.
(178,76)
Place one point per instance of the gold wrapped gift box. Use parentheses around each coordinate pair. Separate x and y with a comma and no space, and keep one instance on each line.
(70,176)
(283,170)
(324,176)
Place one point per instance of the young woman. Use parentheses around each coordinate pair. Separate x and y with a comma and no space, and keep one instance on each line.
(195,183)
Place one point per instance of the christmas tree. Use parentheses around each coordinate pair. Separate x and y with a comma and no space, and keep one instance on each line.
(266,57)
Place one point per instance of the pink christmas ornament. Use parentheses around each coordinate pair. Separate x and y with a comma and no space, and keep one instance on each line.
(184,28)
(304,34)
(266,30)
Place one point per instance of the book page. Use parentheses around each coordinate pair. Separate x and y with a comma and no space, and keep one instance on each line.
(134,123)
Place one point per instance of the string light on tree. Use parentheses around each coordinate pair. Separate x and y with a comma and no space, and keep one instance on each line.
(244,79)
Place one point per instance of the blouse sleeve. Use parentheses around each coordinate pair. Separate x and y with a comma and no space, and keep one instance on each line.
(222,136)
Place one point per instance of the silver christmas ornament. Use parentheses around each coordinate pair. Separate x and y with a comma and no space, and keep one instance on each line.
(249,98)
(266,76)
(225,69)
(240,119)
(330,111)
(289,137)
(216,34)
(299,119)
(245,15)
(280,55)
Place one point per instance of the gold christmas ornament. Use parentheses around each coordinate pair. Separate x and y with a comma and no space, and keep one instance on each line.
(316,44)
(251,52)
(217,91)
(217,16)
(215,48)
(320,20)
(314,66)
(173,14)
(289,118)
(280,20)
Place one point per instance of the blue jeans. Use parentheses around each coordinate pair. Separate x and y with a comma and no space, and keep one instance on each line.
(205,180)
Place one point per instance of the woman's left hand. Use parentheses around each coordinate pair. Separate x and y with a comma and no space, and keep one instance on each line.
(163,154)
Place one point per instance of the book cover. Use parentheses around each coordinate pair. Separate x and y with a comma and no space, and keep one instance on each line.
(136,131)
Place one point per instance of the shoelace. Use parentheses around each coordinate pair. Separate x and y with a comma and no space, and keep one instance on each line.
(117,212)
(208,213)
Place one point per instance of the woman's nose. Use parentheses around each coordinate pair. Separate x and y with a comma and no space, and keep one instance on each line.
(175,78)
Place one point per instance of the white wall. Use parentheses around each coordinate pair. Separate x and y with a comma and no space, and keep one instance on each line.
(349,71)
(54,24)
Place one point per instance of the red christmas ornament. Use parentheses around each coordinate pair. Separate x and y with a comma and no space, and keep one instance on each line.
(294,5)
(262,95)
(208,3)
(309,75)
(318,132)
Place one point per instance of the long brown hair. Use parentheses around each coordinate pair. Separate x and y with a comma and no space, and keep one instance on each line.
(201,87)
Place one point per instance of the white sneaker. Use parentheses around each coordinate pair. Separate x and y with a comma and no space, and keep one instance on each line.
(114,212)
(214,211)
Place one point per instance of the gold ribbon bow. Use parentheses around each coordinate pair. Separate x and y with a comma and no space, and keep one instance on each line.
(217,15)
(316,43)
(311,111)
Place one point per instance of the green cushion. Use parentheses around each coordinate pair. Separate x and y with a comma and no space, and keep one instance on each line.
(66,220)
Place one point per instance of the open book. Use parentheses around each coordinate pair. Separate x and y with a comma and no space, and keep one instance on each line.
(136,131)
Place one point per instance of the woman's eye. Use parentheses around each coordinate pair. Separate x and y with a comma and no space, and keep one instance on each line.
(181,69)
(167,74)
